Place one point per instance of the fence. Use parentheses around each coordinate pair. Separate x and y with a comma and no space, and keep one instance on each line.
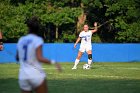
(64,52)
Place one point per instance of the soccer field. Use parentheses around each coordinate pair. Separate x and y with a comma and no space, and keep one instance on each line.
(102,78)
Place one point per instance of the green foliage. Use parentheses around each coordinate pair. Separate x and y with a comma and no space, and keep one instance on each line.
(12,24)
(13,17)
(69,38)
(56,15)
(126,18)
(61,16)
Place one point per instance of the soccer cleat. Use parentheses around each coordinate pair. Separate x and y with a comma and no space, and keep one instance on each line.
(74,68)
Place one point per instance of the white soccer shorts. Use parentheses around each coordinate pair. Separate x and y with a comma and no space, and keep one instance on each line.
(30,84)
(84,48)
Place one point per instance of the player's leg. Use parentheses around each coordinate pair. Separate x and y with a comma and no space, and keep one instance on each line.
(89,52)
(43,88)
(77,60)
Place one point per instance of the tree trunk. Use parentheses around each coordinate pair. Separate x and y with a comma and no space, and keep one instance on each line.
(56,33)
(81,19)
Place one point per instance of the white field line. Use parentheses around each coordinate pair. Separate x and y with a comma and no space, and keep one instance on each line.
(51,68)
(47,68)
(131,68)
(99,76)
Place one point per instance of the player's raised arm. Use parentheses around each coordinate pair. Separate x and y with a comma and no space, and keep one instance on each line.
(78,39)
(95,28)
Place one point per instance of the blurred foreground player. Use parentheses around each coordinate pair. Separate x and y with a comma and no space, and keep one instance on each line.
(29,54)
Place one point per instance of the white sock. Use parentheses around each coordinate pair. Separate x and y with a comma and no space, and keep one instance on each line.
(76,62)
(89,61)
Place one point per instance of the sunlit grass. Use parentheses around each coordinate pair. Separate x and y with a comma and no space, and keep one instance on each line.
(102,78)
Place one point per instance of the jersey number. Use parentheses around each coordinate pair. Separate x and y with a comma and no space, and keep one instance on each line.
(25,47)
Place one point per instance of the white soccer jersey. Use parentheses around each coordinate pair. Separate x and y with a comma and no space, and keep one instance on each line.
(85,37)
(85,41)
(29,65)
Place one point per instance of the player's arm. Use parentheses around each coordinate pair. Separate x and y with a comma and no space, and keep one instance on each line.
(45,60)
(78,39)
(95,28)
(1,41)
(40,57)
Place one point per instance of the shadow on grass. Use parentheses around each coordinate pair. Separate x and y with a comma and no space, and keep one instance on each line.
(79,86)
(9,86)
(94,86)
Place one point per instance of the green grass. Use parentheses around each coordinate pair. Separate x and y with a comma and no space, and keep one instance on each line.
(103,78)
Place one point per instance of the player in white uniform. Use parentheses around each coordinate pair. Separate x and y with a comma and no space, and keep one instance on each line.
(29,54)
(85,37)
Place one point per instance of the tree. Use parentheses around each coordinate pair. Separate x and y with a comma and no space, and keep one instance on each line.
(120,19)
(126,17)
(61,16)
